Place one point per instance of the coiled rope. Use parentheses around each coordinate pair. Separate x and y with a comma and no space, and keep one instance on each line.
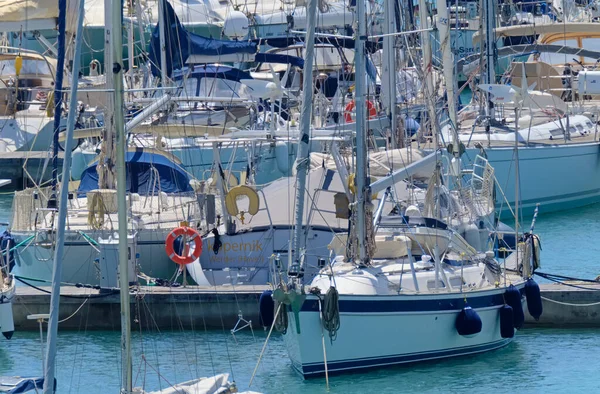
(331,313)
(96,211)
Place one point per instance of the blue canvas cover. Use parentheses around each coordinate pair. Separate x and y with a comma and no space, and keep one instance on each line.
(279,58)
(142,170)
(180,44)
(347,43)
(214,71)
(18,385)
(7,242)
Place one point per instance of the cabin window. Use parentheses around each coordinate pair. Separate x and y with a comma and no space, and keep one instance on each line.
(558,58)
(592,44)
(456,281)
(223,88)
(29,67)
(431,284)
(580,129)
(589,125)
(190,87)
(556,132)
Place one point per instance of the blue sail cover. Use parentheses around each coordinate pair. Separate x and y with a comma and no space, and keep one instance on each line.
(143,168)
(214,71)
(338,42)
(180,44)
(20,385)
(279,59)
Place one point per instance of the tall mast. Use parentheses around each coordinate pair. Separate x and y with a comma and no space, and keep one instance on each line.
(162,23)
(62,212)
(361,131)
(449,78)
(106,161)
(428,68)
(58,95)
(302,159)
(389,65)
(115,16)
(447,59)
(490,46)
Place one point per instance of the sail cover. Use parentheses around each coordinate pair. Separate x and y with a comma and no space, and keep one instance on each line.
(19,10)
(280,59)
(147,173)
(17,385)
(181,45)
(30,15)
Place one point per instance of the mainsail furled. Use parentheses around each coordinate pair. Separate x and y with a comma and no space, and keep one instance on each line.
(184,47)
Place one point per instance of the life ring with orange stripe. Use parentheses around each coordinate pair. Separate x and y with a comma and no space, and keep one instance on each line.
(189,234)
(371,110)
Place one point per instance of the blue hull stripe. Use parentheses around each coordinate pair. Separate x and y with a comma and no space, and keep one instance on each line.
(410,305)
(366,363)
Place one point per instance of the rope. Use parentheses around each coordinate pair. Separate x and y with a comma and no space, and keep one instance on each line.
(331,313)
(78,285)
(556,276)
(262,352)
(96,212)
(557,279)
(570,304)
(74,313)
(113,291)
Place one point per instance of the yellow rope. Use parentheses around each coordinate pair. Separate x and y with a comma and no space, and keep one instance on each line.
(96,212)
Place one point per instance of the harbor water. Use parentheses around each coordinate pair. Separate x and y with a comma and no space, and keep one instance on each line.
(538,360)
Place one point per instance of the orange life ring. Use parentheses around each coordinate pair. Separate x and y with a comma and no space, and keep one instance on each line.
(187,258)
(350,107)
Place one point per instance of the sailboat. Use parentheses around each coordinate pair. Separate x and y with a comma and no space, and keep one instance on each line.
(392,276)
(211,385)
(556,131)
(7,294)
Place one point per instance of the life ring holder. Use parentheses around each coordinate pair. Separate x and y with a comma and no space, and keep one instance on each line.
(371,110)
(189,234)
(240,191)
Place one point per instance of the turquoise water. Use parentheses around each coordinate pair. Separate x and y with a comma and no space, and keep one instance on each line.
(538,361)
(548,361)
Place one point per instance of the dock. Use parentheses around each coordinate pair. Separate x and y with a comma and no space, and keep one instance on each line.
(16,165)
(197,307)
(569,305)
(152,307)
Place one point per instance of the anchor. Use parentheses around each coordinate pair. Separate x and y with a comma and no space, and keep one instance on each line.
(294,300)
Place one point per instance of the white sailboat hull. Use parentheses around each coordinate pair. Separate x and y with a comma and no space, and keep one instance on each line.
(7,294)
(378,331)
(243,257)
(79,265)
(558,177)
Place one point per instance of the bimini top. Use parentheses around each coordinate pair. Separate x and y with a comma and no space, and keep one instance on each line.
(147,173)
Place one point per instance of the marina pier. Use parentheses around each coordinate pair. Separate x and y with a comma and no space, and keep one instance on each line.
(196,307)
(154,307)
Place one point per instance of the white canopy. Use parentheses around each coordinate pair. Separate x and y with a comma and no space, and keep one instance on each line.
(29,15)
